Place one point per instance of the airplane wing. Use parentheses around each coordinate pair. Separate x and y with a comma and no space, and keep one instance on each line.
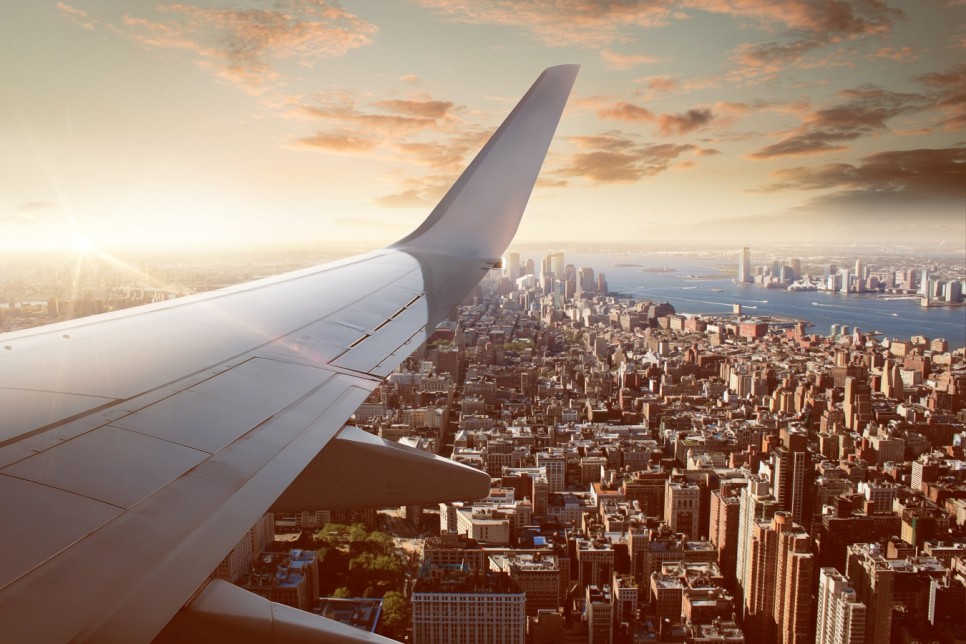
(138,447)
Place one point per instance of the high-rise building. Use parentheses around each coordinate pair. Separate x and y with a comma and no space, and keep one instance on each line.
(555,464)
(682,502)
(475,609)
(756,504)
(723,532)
(513,265)
(586,283)
(792,466)
(873,579)
(778,580)
(744,265)
(841,616)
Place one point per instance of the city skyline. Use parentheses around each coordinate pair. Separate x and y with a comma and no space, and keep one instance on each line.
(699,121)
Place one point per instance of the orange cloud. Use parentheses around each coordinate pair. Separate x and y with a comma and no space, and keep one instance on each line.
(668,124)
(419,108)
(338,142)
(79,15)
(626,112)
(588,23)
(243,45)
(829,17)
(616,159)
(891,53)
(671,124)
(866,112)
(925,180)
(66,8)
(614,60)
(947,93)
(809,25)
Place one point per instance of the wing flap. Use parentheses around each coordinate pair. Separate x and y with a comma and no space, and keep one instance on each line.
(226,613)
(110,465)
(66,519)
(358,469)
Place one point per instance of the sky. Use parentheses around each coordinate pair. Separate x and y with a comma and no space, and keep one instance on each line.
(691,121)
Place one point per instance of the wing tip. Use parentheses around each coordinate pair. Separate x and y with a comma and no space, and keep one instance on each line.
(479,215)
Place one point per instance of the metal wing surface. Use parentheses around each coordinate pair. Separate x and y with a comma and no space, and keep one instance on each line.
(138,447)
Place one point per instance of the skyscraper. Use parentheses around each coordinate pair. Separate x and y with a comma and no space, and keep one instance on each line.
(792,467)
(778,579)
(756,504)
(744,265)
(512,265)
(841,616)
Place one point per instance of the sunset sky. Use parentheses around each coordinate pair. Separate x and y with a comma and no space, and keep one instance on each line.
(700,121)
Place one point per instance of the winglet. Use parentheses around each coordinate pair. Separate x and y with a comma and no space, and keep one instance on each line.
(480,214)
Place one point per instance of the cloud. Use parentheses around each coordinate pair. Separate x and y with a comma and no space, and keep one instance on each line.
(66,8)
(661,84)
(616,159)
(29,212)
(808,25)
(814,16)
(865,112)
(358,222)
(626,112)
(587,23)
(411,198)
(372,123)
(78,15)
(909,181)
(338,142)
(668,124)
(389,121)
(244,46)
(420,108)
(671,124)
(35,206)
(947,93)
(891,53)
(445,159)
(614,60)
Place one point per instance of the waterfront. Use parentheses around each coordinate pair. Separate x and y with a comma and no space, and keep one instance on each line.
(893,318)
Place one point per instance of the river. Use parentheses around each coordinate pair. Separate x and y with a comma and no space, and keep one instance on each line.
(893,318)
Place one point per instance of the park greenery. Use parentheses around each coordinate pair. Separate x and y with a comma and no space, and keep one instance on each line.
(354,562)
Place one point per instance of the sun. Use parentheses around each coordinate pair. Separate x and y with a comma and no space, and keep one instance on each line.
(81,243)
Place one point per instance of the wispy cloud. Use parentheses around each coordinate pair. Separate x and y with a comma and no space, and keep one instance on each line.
(667,124)
(35,206)
(865,111)
(79,15)
(947,93)
(244,46)
(898,55)
(588,23)
(805,26)
(615,60)
(338,142)
(923,174)
(66,8)
(613,158)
